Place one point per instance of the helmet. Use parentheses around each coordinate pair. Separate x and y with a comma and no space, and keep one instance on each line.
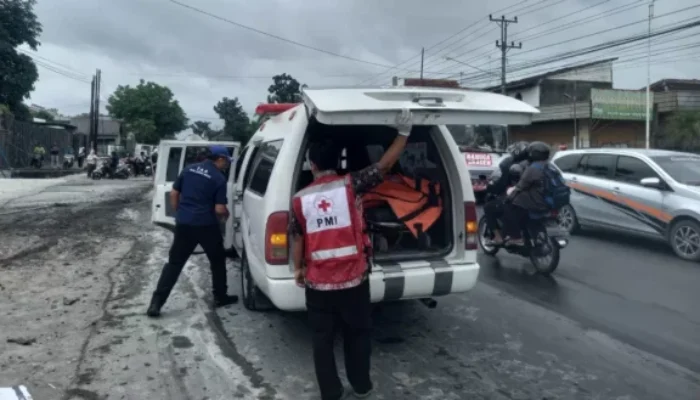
(515,170)
(518,151)
(538,151)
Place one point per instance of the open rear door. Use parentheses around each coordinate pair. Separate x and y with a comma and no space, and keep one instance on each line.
(168,167)
(430,106)
(173,156)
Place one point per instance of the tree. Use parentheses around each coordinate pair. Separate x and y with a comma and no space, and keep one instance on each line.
(203,129)
(18,25)
(149,110)
(45,115)
(284,89)
(236,121)
(683,130)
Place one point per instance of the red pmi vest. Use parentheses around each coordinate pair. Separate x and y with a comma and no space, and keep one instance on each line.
(334,237)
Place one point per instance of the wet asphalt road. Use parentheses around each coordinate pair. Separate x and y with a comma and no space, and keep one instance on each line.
(620,319)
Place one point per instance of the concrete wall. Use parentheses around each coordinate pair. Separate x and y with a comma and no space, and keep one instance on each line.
(529,95)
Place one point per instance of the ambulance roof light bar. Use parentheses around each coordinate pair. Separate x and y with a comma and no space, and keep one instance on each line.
(274,108)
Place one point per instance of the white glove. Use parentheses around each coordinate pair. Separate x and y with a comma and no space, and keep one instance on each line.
(404,122)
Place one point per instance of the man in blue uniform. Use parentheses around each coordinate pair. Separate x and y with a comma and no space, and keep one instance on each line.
(199,198)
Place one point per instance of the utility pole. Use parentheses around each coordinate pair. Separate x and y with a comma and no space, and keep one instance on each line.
(91,136)
(96,121)
(504,46)
(422,58)
(648,103)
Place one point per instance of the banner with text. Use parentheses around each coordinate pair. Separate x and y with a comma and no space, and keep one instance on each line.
(619,104)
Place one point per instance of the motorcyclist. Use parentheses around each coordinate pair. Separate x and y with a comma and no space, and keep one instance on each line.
(91,163)
(528,195)
(517,153)
(114,163)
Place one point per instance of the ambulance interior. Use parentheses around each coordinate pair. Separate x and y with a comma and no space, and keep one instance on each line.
(426,231)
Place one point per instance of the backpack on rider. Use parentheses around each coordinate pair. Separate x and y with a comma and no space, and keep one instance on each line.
(556,192)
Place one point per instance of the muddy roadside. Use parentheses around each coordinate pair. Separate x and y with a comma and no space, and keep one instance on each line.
(75,282)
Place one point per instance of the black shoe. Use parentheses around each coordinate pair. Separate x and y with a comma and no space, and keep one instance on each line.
(225,301)
(153,310)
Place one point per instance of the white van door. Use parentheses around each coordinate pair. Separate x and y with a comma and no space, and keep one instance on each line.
(173,156)
(430,106)
(239,186)
(168,168)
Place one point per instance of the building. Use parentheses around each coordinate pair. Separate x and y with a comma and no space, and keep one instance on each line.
(670,97)
(579,108)
(108,131)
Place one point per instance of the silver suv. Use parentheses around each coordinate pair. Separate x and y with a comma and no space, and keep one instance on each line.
(654,193)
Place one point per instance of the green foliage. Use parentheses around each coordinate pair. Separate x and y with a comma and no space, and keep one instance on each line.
(284,89)
(45,115)
(236,121)
(21,112)
(18,25)
(204,129)
(149,110)
(683,130)
(144,131)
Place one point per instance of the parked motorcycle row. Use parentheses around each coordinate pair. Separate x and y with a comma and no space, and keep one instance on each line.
(124,170)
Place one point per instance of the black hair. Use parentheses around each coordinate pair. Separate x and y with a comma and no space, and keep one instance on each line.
(324,155)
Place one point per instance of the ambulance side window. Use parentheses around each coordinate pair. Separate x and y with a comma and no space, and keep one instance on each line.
(173,167)
(262,166)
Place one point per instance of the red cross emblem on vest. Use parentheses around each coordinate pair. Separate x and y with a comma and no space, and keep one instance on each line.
(324,206)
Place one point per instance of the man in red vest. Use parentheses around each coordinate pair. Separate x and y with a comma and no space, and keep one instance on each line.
(330,259)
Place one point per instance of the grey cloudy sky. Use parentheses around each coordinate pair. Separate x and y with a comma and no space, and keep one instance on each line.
(203,59)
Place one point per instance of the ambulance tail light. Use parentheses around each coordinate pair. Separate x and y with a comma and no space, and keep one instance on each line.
(276,238)
(471,226)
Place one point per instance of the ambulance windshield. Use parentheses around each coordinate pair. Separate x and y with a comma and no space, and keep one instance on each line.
(480,138)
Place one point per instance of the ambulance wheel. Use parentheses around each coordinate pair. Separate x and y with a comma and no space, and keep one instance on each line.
(253,298)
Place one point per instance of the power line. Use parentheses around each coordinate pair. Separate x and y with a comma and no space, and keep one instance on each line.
(59,72)
(280,38)
(458,33)
(603,46)
(570,25)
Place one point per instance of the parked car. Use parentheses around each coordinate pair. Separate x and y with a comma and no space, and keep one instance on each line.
(654,193)
(272,168)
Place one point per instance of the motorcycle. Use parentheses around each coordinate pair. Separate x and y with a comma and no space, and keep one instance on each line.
(36,161)
(68,161)
(122,172)
(542,236)
(147,169)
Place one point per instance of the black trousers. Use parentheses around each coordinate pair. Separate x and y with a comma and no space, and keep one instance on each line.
(187,237)
(493,210)
(514,218)
(347,311)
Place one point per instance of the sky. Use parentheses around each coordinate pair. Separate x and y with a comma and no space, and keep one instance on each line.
(204,58)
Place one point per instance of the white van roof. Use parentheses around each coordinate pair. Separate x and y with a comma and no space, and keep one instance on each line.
(429,105)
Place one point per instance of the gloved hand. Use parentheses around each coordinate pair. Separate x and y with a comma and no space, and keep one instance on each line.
(404,122)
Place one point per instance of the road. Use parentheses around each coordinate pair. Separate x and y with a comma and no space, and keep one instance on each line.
(617,321)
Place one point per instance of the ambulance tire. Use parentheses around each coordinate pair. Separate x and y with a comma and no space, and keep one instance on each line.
(253,298)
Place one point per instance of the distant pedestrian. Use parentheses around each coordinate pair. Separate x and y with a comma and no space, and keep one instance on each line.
(54,151)
(200,201)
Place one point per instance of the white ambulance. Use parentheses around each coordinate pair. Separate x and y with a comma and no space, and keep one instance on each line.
(273,166)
